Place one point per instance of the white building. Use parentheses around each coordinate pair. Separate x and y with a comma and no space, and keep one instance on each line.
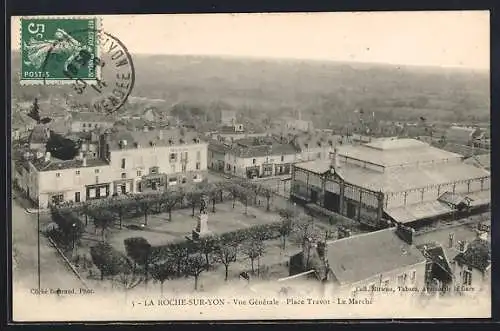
(88,121)
(129,162)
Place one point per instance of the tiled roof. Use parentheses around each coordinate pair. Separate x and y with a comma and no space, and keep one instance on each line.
(360,257)
(218,146)
(399,179)
(477,255)
(264,150)
(418,211)
(145,138)
(56,164)
(91,117)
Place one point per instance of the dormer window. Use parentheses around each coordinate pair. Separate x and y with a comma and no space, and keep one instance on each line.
(152,143)
(170,141)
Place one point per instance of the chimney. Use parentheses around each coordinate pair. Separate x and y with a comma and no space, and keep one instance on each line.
(47,157)
(160,135)
(80,155)
(405,233)
(84,161)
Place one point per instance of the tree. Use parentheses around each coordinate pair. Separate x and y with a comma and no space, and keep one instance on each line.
(163,271)
(103,219)
(253,249)
(139,250)
(245,196)
(106,259)
(226,254)
(220,188)
(193,197)
(234,190)
(206,246)
(62,148)
(287,216)
(306,230)
(127,278)
(169,199)
(195,265)
(267,193)
(144,201)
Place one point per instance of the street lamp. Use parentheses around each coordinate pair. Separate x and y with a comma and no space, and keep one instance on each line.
(38,242)
(74,235)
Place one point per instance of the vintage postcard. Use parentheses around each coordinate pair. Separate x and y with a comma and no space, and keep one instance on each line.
(251,166)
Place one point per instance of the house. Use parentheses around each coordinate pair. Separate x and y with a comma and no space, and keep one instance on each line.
(363,263)
(259,157)
(400,180)
(472,267)
(127,162)
(88,121)
(438,273)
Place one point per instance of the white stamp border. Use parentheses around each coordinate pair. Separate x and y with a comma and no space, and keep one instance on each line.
(57,82)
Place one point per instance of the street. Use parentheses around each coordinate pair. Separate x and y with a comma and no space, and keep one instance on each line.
(54,271)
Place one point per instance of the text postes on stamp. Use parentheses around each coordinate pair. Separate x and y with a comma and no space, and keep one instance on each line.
(48,42)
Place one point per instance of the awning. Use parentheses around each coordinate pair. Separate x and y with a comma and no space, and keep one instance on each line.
(410,213)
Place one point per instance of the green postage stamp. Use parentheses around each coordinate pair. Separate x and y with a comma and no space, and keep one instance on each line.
(58,51)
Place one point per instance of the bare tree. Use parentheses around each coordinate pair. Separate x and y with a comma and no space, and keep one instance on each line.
(163,271)
(253,249)
(206,246)
(234,190)
(226,254)
(127,278)
(195,265)
(287,216)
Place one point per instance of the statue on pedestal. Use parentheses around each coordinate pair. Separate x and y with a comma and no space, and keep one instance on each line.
(202,226)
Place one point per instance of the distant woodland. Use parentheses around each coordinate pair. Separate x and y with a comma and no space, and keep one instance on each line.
(322,91)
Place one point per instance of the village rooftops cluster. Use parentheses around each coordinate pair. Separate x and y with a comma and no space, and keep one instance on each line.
(122,139)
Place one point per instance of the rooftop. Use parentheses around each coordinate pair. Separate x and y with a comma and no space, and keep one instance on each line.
(477,255)
(55,164)
(361,257)
(399,179)
(263,150)
(159,138)
(395,152)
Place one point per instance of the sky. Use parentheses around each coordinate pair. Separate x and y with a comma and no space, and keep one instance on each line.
(448,39)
